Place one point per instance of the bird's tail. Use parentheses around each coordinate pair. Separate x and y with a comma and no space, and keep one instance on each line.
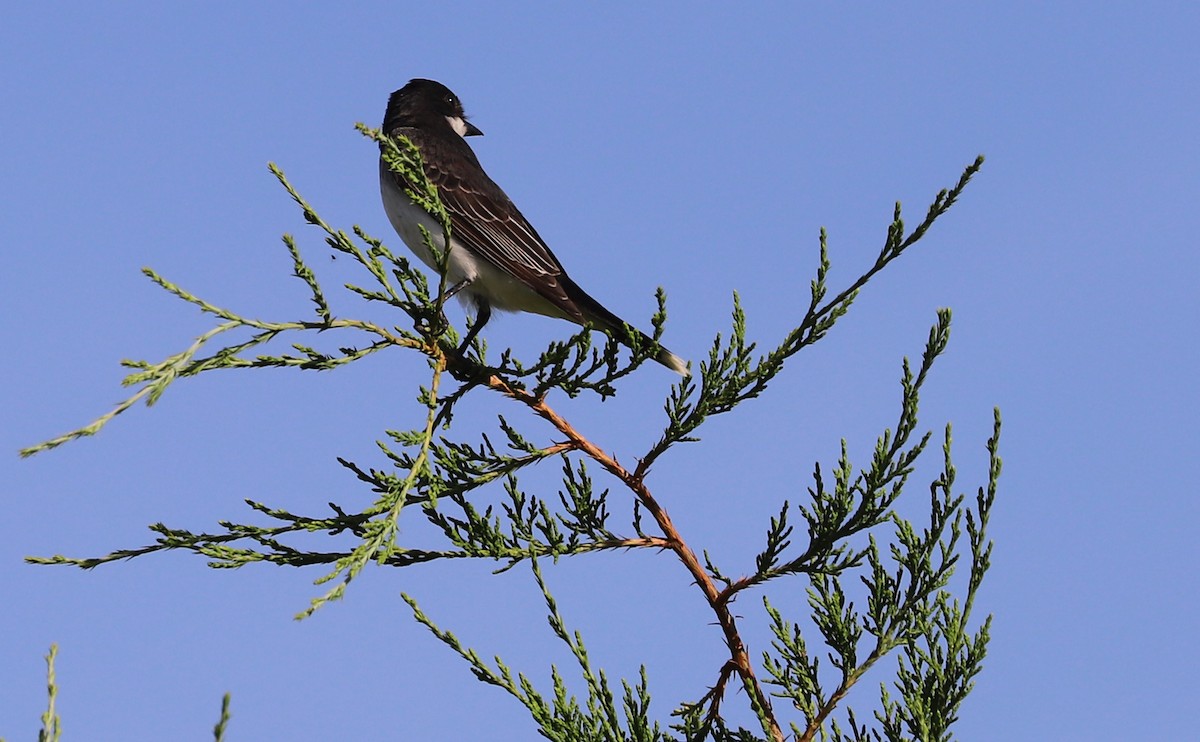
(672,361)
(615,327)
(621,330)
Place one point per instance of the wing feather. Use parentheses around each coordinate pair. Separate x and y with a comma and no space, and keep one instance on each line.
(484,219)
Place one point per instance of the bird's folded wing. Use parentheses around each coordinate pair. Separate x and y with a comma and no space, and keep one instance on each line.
(484,220)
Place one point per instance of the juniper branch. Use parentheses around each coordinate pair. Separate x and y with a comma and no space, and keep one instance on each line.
(731,376)
(904,607)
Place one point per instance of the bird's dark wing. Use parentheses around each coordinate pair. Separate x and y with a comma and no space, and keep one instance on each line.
(484,219)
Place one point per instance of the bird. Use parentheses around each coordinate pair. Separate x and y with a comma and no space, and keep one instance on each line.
(496,259)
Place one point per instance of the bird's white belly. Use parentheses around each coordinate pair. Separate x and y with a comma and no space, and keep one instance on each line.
(407,219)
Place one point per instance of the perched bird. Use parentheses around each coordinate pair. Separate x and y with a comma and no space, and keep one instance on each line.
(496,260)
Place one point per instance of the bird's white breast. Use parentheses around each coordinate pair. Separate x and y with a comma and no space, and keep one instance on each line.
(407,218)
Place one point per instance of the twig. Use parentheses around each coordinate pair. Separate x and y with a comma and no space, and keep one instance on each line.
(738,655)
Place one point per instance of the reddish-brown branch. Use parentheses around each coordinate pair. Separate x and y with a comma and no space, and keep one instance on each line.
(842,691)
(818,721)
(717,694)
(556,448)
(738,655)
(643,542)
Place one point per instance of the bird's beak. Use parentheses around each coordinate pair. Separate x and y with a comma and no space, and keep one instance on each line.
(472,130)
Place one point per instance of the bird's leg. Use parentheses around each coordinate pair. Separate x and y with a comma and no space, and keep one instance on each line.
(450,292)
(467,372)
(483,312)
(438,325)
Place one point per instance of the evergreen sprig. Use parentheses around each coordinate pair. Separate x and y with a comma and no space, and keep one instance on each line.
(877,585)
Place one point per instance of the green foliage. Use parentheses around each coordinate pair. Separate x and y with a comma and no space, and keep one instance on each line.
(222,723)
(877,584)
(51,730)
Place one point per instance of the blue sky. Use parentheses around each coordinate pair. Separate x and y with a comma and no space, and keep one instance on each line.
(688,147)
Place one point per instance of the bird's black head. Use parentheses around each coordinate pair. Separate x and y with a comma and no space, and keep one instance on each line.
(426,104)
